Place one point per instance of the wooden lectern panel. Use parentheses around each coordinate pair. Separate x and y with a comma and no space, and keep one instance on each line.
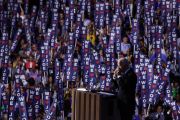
(93,110)
(82,106)
(93,106)
(87,108)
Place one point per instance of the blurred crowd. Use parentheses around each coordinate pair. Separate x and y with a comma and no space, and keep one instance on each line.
(26,59)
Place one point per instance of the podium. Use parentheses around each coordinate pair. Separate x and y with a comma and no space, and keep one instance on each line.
(94,106)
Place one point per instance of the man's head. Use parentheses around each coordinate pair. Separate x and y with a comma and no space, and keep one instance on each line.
(123,64)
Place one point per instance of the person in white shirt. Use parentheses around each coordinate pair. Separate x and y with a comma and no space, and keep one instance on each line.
(125,46)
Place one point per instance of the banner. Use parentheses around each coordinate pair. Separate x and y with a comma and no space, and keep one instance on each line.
(5,60)
(26,7)
(30,104)
(16,40)
(96,16)
(118,39)
(37,101)
(164,79)
(52,111)
(22,107)
(175,110)
(5,102)
(101,15)
(69,57)
(11,109)
(78,26)
(46,101)
(75,70)
(102,77)
(107,13)
(67,20)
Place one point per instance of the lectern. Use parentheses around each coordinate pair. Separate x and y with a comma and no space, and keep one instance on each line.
(94,106)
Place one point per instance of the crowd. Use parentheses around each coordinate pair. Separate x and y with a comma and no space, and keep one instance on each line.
(47,48)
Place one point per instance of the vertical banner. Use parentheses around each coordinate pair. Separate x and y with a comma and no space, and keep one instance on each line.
(96,59)
(150,80)
(59,83)
(15,40)
(46,101)
(54,23)
(30,104)
(11,110)
(78,26)
(22,108)
(175,109)
(138,11)
(69,57)
(52,111)
(27,31)
(5,102)
(103,78)
(26,7)
(164,79)
(111,48)
(118,39)
(37,101)
(110,59)
(75,70)
(158,46)
(117,7)
(174,44)
(45,52)
(107,14)
(67,20)
(5,62)
(71,13)
(101,15)
(85,56)
(92,76)
(33,17)
(97,17)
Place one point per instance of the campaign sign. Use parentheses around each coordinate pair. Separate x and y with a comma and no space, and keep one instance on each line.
(22,107)
(11,107)
(37,101)
(46,101)
(30,105)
